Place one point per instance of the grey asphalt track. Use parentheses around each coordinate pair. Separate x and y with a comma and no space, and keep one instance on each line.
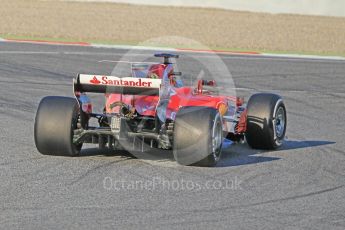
(301,186)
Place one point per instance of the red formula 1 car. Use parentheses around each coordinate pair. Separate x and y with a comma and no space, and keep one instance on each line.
(153,109)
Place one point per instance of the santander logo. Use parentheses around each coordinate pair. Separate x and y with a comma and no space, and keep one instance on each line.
(133,82)
(95,81)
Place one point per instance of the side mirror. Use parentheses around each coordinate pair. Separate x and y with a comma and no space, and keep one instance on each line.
(209,82)
(206,83)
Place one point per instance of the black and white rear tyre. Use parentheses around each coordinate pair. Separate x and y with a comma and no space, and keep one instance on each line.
(279,123)
(266,121)
(198,136)
(56,119)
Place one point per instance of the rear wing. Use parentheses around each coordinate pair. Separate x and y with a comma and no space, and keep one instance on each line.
(110,84)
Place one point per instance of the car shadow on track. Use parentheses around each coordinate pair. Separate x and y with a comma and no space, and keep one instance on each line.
(158,155)
(242,154)
(303,144)
(92,151)
(233,154)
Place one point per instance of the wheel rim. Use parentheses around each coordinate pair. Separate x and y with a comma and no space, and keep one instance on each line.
(280,121)
(217,138)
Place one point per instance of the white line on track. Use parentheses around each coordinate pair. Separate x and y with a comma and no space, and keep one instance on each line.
(213,55)
(199,56)
(262,56)
(209,56)
(233,57)
(249,58)
(27,52)
(108,54)
(129,62)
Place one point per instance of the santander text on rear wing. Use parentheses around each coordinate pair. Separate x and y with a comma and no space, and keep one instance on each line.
(112,84)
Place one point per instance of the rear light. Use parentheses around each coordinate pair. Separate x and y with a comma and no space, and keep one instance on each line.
(210,83)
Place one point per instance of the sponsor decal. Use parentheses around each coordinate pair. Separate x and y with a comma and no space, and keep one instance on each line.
(95,81)
(135,82)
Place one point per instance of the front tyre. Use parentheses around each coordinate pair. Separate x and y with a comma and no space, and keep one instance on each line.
(198,136)
(266,121)
(55,121)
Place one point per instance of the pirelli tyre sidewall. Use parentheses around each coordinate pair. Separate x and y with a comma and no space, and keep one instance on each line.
(198,136)
(55,121)
(266,121)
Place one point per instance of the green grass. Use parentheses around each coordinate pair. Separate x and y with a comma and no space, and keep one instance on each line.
(106,42)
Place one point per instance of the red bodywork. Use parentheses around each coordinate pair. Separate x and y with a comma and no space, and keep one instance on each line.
(182,96)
